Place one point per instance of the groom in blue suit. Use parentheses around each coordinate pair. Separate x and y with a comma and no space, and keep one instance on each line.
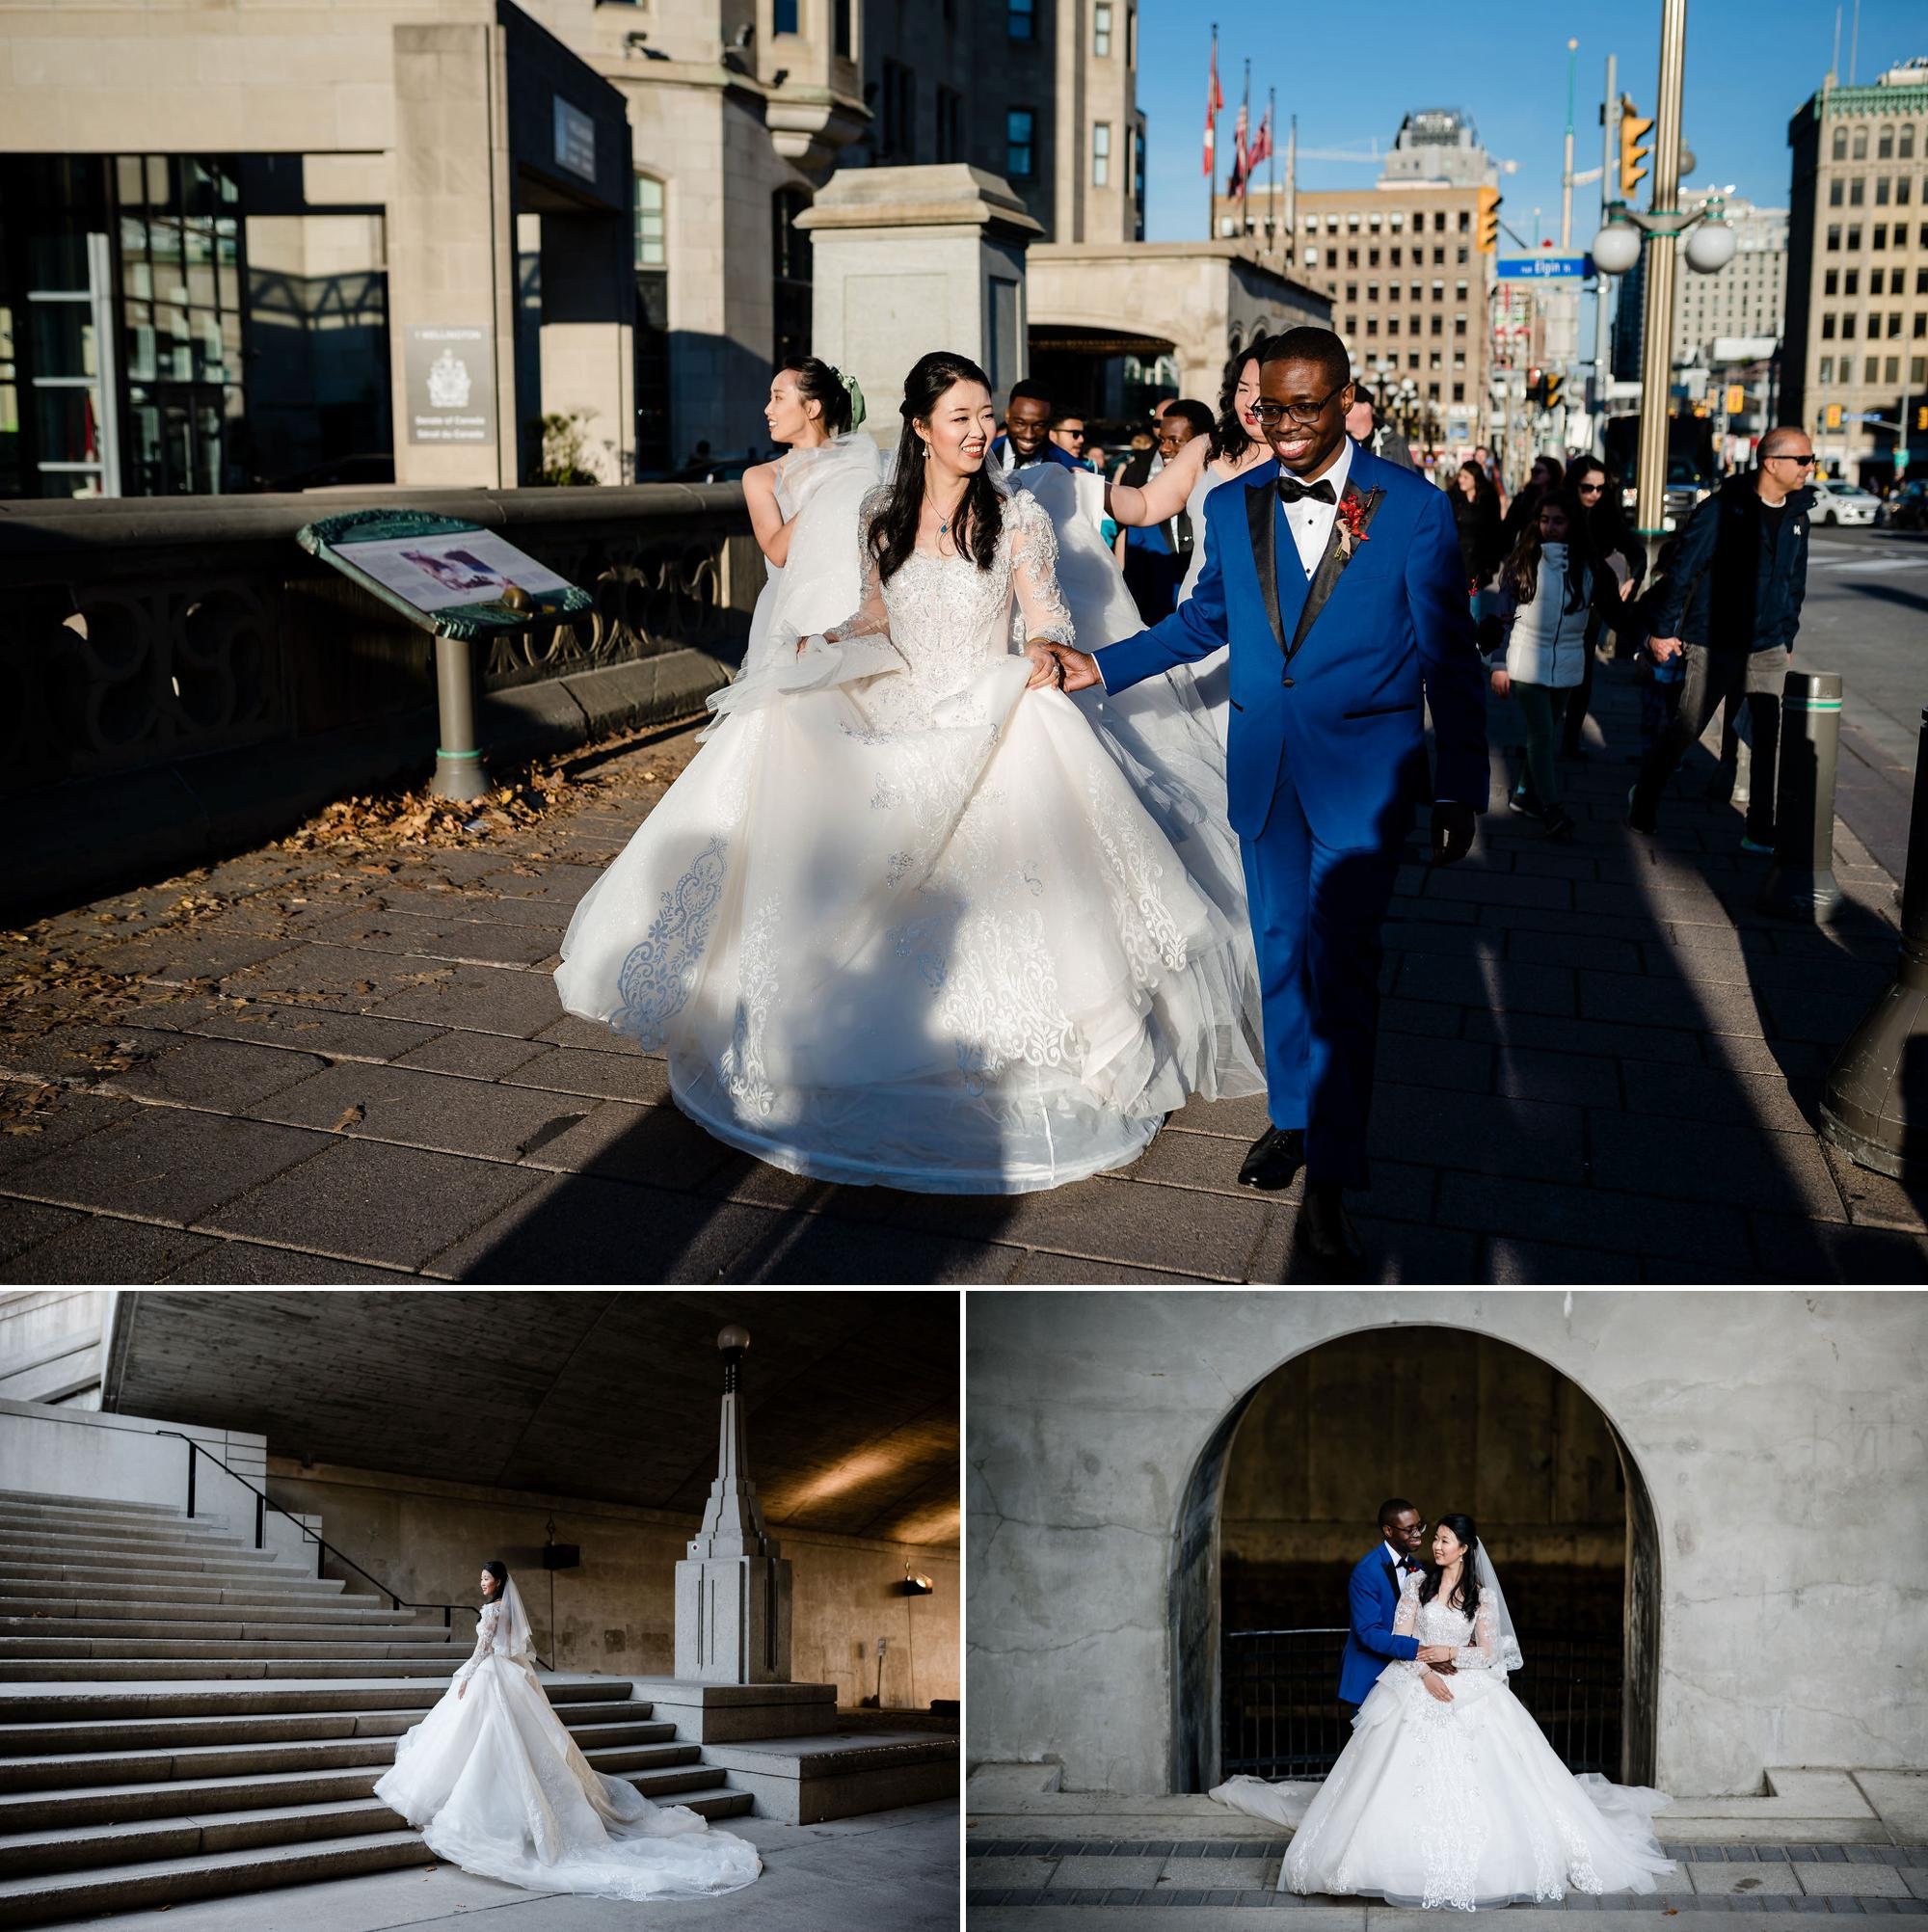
(1374,1603)
(1336,579)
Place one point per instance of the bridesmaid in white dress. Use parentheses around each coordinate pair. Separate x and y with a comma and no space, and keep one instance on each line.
(1448,1793)
(1235,445)
(496,1785)
(905,918)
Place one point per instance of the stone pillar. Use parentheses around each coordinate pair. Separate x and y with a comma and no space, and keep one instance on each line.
(733,1589)
(910,260)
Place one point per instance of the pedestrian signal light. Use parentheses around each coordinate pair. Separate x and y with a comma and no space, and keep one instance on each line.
(1489,224)
(1736,398)
(1921,417)
(1833,415)
(1633,156)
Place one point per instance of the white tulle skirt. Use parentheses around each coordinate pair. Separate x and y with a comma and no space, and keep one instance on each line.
(1461,1805)
(496,1785)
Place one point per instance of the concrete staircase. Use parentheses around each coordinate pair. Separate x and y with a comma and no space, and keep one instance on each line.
(182,1716)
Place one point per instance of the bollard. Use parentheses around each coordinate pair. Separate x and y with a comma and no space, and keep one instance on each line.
(1875,1106)
(458,763)
(1800,882)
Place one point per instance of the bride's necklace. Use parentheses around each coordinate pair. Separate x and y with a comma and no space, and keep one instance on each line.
(944,517)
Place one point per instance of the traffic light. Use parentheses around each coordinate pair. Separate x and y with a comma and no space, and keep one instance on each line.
(1633,156)
(1489,224)
(1921,415)
(1832,416)
(1736,398)
(1536,382)
(1550,391)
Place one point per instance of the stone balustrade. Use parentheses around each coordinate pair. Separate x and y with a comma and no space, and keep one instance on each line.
(176,675)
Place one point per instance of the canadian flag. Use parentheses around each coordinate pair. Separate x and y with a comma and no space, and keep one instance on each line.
(1214,99)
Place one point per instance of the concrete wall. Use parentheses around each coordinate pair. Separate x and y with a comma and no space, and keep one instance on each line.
(50,1342)
(428,1541)
(1779,1436)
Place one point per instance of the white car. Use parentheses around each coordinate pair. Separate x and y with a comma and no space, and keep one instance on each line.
(1836,502)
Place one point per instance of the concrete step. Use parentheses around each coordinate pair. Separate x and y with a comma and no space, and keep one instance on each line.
(226,1646)
(100,1506)
(191,1628)
(184,1794)
(70,1702)
(124,1739)
(20,1525)
(294,1591)
(192,1670)
(137,1837)
(113,1567)
(368,1739)
(329,1610)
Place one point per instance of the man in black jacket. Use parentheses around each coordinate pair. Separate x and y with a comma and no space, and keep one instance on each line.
(1730,599)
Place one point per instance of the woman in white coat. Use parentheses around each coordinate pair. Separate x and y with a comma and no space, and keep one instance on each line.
(1547,590)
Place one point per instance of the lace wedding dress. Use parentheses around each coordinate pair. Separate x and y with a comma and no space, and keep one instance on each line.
(902,921)
(1461,1804)
(498,1786)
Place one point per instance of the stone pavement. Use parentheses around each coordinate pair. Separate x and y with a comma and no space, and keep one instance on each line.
(1827,1842)
(888,1869)
(341,1059)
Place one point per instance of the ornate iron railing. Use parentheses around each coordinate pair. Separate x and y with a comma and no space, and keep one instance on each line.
(1280,1717)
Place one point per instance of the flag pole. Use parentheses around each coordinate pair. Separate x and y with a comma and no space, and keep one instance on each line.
(1245,171)
(1271,160)
(1212,144)
(1292,184)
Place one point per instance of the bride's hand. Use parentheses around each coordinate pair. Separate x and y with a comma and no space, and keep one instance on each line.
(1437,1686)
(1045,668)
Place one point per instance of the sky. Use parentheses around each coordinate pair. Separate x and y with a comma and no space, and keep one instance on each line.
(1351,77)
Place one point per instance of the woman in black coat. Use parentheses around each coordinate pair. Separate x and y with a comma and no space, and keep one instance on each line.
(1475,516)
(1598,491)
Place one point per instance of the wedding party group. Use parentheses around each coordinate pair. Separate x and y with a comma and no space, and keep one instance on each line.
(976,878)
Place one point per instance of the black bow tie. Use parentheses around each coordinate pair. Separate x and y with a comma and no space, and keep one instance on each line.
(1320,492)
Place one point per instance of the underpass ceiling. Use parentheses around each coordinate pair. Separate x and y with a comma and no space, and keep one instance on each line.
(852,1399)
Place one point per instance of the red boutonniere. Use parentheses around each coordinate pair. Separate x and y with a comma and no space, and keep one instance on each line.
(1353,523)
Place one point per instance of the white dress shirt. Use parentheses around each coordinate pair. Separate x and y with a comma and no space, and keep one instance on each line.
(1311,523)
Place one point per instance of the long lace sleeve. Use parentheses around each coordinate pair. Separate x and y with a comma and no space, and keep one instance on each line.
(1482,1653)
(871,619)
(485,1638)
(1034,544)
(1405,1621)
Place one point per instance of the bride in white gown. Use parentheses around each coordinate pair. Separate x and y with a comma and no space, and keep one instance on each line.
(905,918)
(1448,1794)
(498,1786)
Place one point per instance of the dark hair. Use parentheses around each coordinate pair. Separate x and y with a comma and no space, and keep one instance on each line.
(1306,344)
(1393,1506)
(818,382)
(1362,395)
(1484,492)
(1193,413)
(1556,471)
(1229,435)
(981,516)
(500,1572)
(1520,573)
(1024,391)
(1466,1598)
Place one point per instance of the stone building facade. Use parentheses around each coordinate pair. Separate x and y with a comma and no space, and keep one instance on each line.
(1764,1468)
(1857,341)
(1399,262)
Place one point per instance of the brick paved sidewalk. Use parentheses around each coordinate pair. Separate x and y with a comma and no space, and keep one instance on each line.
(1598,1065)
(1796,1878)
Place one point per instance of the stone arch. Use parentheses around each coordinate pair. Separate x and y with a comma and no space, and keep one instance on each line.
(1194,1595)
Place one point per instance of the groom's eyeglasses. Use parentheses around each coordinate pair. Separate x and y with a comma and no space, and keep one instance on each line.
(1272,414)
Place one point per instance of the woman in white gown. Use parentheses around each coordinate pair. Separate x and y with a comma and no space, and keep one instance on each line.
(496,1785)
(1448,1794)
(1235,445)
(905,918)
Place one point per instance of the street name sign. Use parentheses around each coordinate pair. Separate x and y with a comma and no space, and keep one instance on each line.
(1545,267)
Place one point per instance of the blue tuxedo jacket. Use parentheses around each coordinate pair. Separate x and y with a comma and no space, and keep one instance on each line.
(1370,1644)
(1329,678)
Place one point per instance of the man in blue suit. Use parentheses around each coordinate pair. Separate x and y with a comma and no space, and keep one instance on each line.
(1374,1593)
(1027,434)
(1336,579)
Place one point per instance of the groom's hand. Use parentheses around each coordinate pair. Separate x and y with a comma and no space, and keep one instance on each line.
(1081,669)
(1452,832)
(1437,1653)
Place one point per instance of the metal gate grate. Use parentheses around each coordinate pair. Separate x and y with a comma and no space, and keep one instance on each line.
(1282,1717)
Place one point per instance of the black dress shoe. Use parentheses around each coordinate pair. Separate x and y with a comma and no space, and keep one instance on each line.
(1326,1230)
(1275,1159)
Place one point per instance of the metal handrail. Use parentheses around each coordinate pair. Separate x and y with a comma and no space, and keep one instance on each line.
(263,1505)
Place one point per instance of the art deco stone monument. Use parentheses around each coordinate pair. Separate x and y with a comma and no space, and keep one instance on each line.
(733,1589)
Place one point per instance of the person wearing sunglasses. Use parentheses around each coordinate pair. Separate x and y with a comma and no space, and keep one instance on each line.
(1728,600)
(1619,552)
(1335,579)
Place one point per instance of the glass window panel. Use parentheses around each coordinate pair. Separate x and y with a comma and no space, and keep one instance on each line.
(130,181)
(160,182)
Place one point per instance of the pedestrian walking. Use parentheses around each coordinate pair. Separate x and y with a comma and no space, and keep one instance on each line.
(1618,549)
(1475,516)
(1548,472)
(1728,606)
(1547,588)
(1363,426)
